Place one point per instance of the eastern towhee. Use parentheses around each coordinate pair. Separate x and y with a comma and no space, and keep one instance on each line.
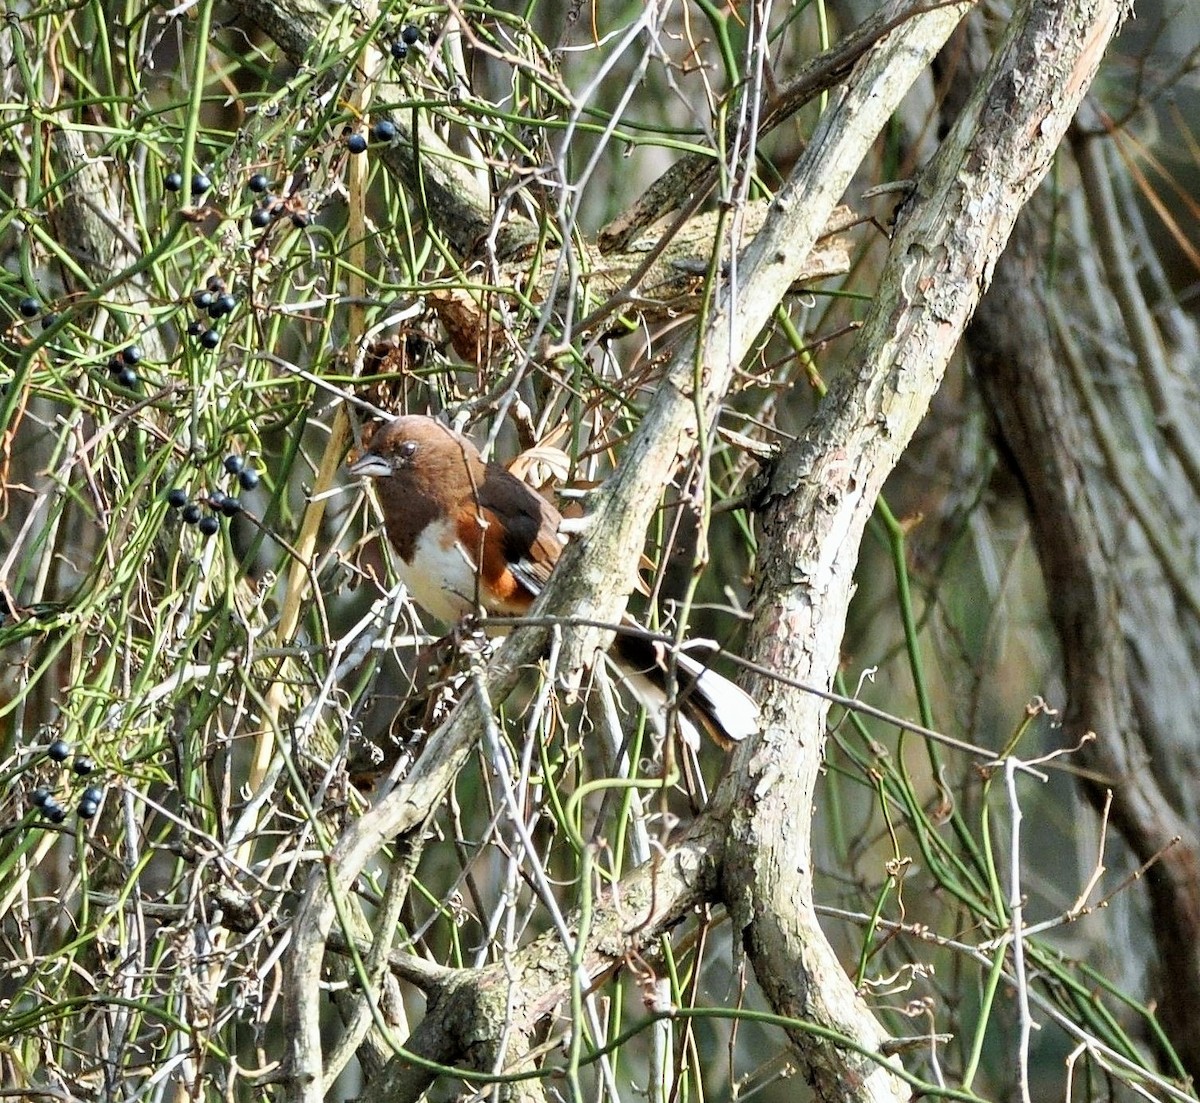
(471,535)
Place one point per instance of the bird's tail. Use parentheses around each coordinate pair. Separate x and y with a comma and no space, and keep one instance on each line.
(706,701)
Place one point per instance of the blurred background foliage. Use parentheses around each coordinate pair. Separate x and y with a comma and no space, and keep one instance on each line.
(213,684)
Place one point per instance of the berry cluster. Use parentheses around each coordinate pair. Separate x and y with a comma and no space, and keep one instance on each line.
(220,504)
(246,475)
(263,214)
(217,302)
(43,798)
(382,132)
(272,207)
(410,35)
(173,181)
(30,308)
(121,366)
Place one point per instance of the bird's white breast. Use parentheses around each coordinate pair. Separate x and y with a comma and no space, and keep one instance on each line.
(441,577)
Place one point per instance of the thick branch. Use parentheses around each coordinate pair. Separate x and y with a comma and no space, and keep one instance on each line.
(824,489)
(520,993)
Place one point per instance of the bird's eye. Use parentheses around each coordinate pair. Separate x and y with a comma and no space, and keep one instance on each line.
(407,450)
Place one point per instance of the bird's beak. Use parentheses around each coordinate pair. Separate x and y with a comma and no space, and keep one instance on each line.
(370,465)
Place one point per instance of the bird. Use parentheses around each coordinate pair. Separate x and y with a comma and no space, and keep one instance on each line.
(471,536)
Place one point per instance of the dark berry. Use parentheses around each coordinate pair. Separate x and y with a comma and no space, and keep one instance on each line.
(399,51)
(300,219)
(195,328)
(59,750)
(177,497)
(173,181)
(215,498)
(411,34)
(83,765)
(233,463)
(258,182)
(132,355)
(260,217)
(210,339)
(54,812)
(114,364)
(40,797)
(200,184)
(215,284)
(230,506)
(29,307)
(49,320)
(226,302)
(209,525)
(203,299)
(356,143)
(93,792)
(191,513)
(127,377)
(248,478)
(383,131)
(87,809)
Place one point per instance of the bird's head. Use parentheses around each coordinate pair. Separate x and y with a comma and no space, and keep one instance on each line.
(408,443)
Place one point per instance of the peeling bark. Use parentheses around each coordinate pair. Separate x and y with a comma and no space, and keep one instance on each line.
(822,492)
